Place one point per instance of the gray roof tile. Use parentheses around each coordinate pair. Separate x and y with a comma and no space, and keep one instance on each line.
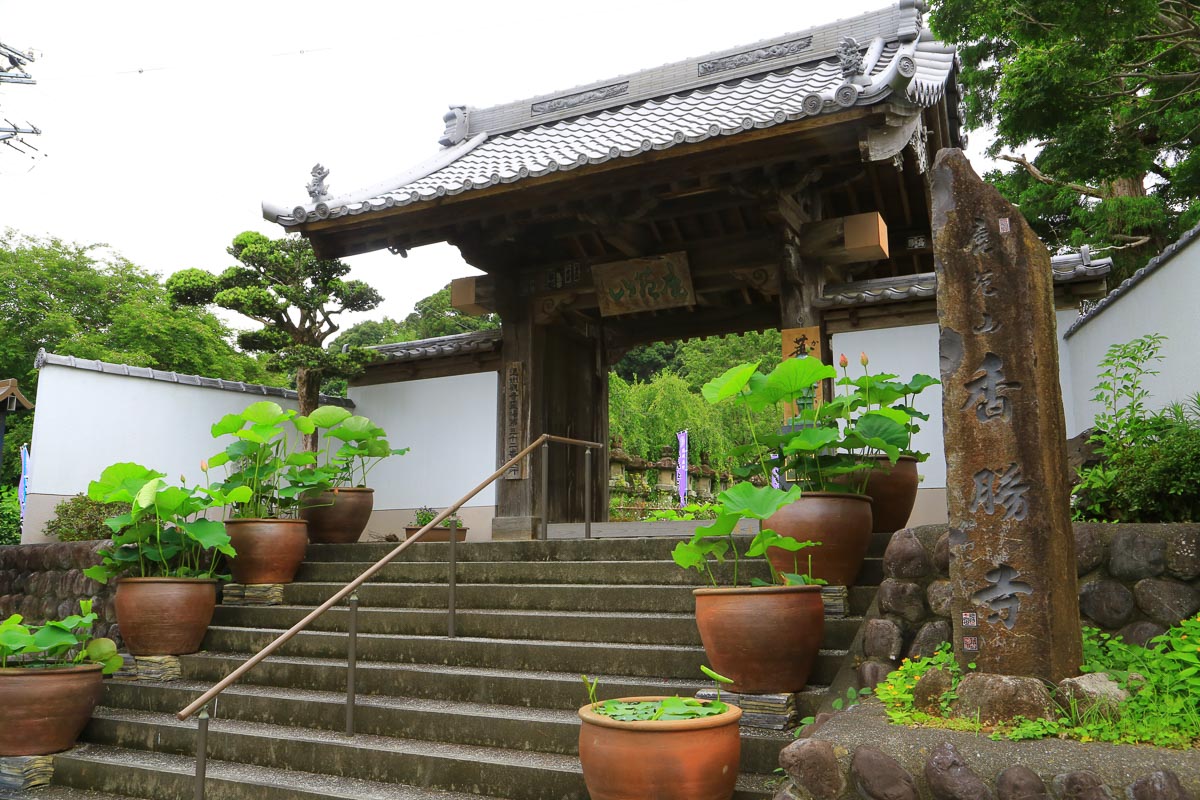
(666,107)
(125,370)
(441,346)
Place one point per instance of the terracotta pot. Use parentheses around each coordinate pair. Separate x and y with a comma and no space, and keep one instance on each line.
(893,491)
(45,710)
(766,638)
(691,759)
(439,534)
(840,522)
(268,550)
(164,616)
(338,516)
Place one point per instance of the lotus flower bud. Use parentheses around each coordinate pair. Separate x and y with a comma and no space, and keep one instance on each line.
(862,358)
(843,362)
(204,465)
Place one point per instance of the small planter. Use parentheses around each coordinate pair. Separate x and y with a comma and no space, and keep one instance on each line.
(338,516)
(164,616)
(842,523)
(45,710)
(893,492)
(766,638)
(438,534)
(268,550)
(693,759)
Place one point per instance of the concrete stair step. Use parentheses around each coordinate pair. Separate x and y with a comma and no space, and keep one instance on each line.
(507,727)
(167,776)
(59,793)
(626,627)
(486,685)
(527,596)
(490,771)
(658,660)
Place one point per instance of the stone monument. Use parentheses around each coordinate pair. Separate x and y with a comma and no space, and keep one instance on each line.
(1015,603)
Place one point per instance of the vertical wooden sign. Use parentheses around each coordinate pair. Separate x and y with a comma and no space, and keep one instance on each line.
(514,420)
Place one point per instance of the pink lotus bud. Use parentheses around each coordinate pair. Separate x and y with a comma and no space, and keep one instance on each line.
(843,362)
(204,465)
(862,359)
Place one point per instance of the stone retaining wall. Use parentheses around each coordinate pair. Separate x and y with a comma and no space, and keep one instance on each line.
(46,581)
(1134,580)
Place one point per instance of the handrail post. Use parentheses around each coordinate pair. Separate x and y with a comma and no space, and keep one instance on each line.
(587,492)
(201,754)
(351,662)
(452,581)
(545,490)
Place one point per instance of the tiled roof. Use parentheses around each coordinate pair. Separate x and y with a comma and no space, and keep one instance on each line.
(124,370)
(441,346)
(1066,269)
(886,55)
(1127,285)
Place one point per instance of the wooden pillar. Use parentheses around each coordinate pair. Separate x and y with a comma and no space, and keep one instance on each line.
(802,278)
(553,379)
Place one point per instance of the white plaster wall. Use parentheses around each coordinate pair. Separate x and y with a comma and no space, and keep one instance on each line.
(450,426)
(1163,302)
(905,352)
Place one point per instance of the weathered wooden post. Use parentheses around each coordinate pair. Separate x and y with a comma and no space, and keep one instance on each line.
(11,399)
(1016,607)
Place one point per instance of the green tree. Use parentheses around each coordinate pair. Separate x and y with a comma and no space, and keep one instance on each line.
(80,300)
(1106,94)
(644,362)
(294,296)
(434,316)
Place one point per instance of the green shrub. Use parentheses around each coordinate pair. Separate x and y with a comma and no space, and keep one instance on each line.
(10,516)
(81,519)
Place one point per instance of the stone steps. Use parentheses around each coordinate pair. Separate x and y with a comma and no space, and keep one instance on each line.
(580,626)
(488,714)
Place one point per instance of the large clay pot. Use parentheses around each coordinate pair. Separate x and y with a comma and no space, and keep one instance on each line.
(438,534)
(842,523)
(338,516)
(268,550)
(893,491)
(45,710)
(164,616)
(766,638)
(690,759)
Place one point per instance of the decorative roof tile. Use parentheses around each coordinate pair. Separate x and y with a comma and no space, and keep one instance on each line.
(1153,265)
(441,346)
(1066,269)
(125,370)
(723,94)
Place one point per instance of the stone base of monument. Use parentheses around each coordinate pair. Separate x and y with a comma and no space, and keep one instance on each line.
(149,668)
(775,712)
(858,753)
(18,773)
(252,594)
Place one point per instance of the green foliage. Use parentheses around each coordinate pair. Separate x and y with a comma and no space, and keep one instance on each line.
(647,416)
(10,516)
(165,533)
(57,643)
(265,478)
(644,362)
(1162,681)
(1150,462)
(283,286)
(75,300)
(425,515)
(692,511)
(1105,95)
(82,519)
(363,444)
(669,708)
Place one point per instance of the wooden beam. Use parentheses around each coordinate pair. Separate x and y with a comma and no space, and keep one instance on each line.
(846,240)
(475,296)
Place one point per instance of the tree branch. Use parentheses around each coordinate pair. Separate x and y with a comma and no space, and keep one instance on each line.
(1042,177)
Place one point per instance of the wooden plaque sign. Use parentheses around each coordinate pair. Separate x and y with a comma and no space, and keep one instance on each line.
(514,422)
(643,284)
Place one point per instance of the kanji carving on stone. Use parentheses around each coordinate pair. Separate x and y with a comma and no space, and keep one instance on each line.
(1002,598)
(987,391)
(1006,490)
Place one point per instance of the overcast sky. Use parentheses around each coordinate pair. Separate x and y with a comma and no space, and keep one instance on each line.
(167,124)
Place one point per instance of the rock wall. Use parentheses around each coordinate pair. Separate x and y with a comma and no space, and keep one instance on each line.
(46,581)
(1134,580)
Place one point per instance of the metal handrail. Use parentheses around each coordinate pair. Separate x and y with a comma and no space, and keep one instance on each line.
(201,703)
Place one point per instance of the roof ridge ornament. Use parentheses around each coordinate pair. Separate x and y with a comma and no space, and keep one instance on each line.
(850,58)
(457,120)
(316,188)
